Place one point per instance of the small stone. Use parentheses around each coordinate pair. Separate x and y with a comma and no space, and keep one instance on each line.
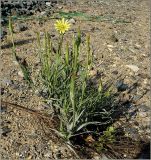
(121,86)
(29,157)
(44,13)
(114,65)
(48,4)
(92,73)
(17,154)
(133,67)
(15,62)
(145,81)
(42,34)
(115,72)
(48,155)
(124,155)
(136,97)
(72,21)
(110,46)
(37,92)
(3,109)
(2,91)
(20,73)
(60,7)
(137,46)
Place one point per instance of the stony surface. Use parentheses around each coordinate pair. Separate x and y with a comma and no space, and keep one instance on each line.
(121,52)
(25,8)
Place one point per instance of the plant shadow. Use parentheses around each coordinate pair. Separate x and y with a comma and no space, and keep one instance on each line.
(19,42)
(121,103)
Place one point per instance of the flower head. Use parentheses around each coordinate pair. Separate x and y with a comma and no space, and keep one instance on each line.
(62,26)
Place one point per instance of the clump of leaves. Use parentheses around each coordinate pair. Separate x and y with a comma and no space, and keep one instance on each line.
(66,77)
(108,137)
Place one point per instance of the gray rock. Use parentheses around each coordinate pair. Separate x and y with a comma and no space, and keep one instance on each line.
(20,73)
(136,97)
(115,72)
(42,34)
(43,13)
(48,155)
(48,4)
(2,91)
(121,86)
(3,109)
(72,21)
(133,67)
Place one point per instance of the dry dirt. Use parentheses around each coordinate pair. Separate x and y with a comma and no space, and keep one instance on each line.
(116,45)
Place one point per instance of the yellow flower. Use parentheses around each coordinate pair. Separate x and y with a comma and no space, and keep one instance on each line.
(62,26)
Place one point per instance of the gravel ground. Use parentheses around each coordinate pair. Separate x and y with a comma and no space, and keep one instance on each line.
(121,48)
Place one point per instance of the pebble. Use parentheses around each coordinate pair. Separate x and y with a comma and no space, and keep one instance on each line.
(125,155)
(15,62)
(121,86)
(20,73)
(136,97)
(48,155)
(137,46)
(42,34)
(3,109)
(110,47)
(145,81)
(133,67)
(29,157)
(48,4)
(2,90)
(43,13)
(115,72)
(72,21)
